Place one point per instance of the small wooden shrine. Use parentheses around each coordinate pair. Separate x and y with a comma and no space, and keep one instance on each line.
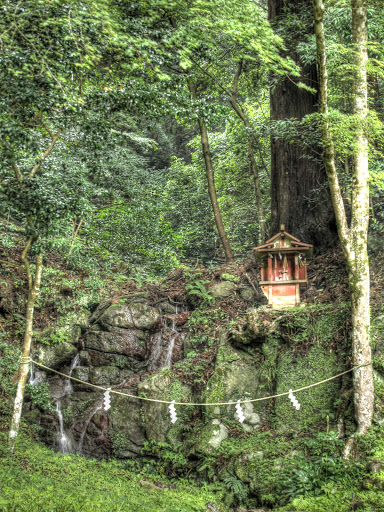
(284,268)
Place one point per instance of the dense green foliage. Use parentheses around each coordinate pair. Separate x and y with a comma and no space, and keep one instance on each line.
(101,168)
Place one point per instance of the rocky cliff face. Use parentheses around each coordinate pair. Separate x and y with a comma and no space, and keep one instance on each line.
(132,345)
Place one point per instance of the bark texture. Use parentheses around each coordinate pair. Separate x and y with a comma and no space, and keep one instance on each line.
(354,238)
(300,197)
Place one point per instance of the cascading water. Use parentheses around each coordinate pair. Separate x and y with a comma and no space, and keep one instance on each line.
(171,344)
(168,355)
(32,377)
(65,444)
(68,384)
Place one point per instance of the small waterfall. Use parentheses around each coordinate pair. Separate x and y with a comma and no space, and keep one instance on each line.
(68,384)
(168,355)
(87,421)
(32,377)
(65,445)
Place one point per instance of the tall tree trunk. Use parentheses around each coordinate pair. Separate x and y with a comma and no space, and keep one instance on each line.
(211,183)
(359,279)
(353,239)
(251,152)
(299,194)
(33,293)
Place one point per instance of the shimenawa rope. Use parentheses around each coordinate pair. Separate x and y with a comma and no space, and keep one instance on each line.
(217,404)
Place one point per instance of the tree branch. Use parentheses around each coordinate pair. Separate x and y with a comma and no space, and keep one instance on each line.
(51,146)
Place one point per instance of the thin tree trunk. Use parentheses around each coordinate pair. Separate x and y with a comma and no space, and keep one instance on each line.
(353,239)
(251,152)
(33,293)
(359,281)
(76,230)
(211,184)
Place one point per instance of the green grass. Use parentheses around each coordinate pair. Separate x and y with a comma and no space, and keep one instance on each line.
(35,479)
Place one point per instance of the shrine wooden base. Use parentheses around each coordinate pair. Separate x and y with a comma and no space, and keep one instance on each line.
(280,294)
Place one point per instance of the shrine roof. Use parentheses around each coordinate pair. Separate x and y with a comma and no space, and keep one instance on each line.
(295,244)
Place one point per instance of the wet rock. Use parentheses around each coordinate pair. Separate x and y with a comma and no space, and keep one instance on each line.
(129,342)
(222,290)
(58,355)
(81,373)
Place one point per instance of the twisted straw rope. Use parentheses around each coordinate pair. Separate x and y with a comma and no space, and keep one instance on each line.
(218,404)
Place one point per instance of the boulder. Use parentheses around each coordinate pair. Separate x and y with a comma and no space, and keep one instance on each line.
(129,342)
(58,355)
(247,293)
(157,420)
(222,290)
(127,316)
(236,377)
(211,437)
(261,323)
(105,376)
(126,427)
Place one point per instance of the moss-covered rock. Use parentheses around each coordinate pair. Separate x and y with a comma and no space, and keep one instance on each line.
(237,377)
(296,371)
(126,428)
(222,290)
(57,355)
(210,437)
(105,376)
(156,415)
(127,316)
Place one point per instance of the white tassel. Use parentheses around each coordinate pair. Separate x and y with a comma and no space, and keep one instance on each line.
(172,412)
(239,412)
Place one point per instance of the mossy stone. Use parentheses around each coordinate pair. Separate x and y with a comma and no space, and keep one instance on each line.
(297,371)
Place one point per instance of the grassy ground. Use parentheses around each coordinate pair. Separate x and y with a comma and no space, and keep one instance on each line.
(35,479)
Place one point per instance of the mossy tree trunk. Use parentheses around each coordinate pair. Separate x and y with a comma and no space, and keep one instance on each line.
(34,281)
(354,237)
(209,171)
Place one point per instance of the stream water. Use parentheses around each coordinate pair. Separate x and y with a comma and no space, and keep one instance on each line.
(64,441)
(65,444)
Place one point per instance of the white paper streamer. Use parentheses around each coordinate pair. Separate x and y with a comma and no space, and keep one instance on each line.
(293,399)
(239,412)
(172,412)
(107,400)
